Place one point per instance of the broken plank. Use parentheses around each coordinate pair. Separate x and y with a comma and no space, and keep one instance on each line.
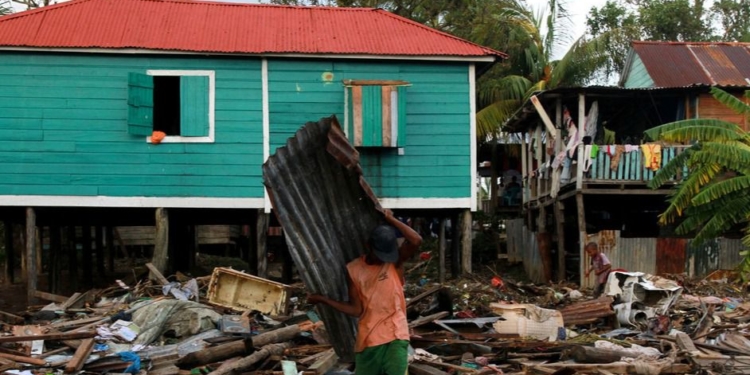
(423,295)
(448,366)
(427,319)
(616,368)
(311,359)
(422,369)
(168,370)
(324,363)
(155,274)
(80,356)
(52,336)
(685,343)
(50,297)
(68,303)
(24,359)
(10,318)
(75,323)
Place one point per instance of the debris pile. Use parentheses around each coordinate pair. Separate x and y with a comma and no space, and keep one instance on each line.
(232,322)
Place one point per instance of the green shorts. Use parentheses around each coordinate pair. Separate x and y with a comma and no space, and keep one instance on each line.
(386,359)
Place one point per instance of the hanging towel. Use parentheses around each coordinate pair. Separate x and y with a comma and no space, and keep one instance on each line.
(609,136)
(594,151)
(615,162)
(631,148)
(591,121)
(651,156)
(558,160)
(587,150)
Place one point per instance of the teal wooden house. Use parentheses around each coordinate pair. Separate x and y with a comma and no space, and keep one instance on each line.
(88,85)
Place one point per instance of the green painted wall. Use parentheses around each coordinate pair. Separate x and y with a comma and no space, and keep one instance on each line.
(436,161)
(638,75)
(63,129)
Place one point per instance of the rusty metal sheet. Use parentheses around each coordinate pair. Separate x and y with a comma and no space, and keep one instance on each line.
(702,259)
(670,255)
(630,254)
(327,210)
(679,64)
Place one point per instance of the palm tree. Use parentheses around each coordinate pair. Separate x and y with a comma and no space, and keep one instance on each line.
(714,196)
(5,7)
(530,68)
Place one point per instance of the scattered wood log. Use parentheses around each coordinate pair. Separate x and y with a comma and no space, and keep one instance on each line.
(51,336)
(247,362)
(427,319)
(324,363)
(50,297)
(24,359)
(587,312)
(80,356)
(588,354)
(615,368)
(235,348)
(156,275)
(10,318)
(311,359)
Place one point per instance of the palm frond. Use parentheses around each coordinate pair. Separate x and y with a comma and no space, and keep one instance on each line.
(508,87)
(701,129)
(492,117)
(672,167)
(725,216)
(681,197)
(727,155)
(730,101)
(721,189)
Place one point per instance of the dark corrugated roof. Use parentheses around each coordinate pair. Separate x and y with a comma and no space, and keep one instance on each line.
(677,64)
(327,210)
(202,26)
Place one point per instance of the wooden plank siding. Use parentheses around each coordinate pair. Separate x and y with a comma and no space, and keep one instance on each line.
(638,75)
(709,107)
(435,160)
(63,129)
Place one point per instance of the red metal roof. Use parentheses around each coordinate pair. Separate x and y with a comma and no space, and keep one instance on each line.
(678,64)
(213,27)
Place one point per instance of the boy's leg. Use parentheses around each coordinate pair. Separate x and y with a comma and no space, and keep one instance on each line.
(395,360)
(599,290)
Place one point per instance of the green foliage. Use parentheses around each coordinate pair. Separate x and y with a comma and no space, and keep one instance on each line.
(5,7)
(714,197)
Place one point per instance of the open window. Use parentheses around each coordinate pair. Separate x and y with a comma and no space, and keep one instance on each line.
(376,113)
(179,103)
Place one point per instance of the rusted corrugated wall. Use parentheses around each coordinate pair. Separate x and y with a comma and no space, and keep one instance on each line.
(523,247)
(327,211)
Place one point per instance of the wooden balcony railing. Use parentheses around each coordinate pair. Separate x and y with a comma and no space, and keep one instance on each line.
(631,167)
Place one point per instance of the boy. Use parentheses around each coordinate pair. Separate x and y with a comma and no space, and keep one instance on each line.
(600,265)
(376,297)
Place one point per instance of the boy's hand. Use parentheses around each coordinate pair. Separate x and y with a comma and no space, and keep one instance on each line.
(588,273)
(313,299)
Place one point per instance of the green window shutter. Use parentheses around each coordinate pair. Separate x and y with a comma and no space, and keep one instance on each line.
(372,116)
(140,104)
(401,142)
(194,106)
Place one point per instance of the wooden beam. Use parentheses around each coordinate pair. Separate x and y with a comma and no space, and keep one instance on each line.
(594,191)
(557,208)
(466,241)
(325,363)
(524,169)
(50,336)
(551,133)
(10,258)
(31,254)
(442,244)
(50,297)
(160,258)
(156,275)
(427,319)
(80,356)
(260,243)
(581,236)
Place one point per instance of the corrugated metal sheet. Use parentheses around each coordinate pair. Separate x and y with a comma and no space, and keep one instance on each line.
(523,247)
(630,254)
(670,255)
(702,259)
(228,28)
(673,64)
(327,211)
(729,256)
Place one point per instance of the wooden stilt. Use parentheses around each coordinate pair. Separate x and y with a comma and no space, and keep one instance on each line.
(10,254)
(456,245)
(442,243)
(466,241)
(260,240)
(55,253)
(109,244)
(72,257)
(88,265)
(31,254)
(581,236)
(99,243)
(560,231)
(161,241)
(544,243)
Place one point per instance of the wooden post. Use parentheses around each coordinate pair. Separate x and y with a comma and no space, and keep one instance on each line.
(524,169)
(530,168)
(560,230)
(544,243)
(456,245)
(581,236)
(109,244)
(99,243)
(88,265)
(466,241)
(160,257)
(539,158)
(72,257)
(559,146)
(31,271)
(55,252)
(442,243)
(10,254)
(260,243)
(582,115)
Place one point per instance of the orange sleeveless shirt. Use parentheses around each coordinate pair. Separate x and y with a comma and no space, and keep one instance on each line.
(381,290)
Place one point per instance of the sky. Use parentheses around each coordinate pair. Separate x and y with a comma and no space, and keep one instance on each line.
(578,10)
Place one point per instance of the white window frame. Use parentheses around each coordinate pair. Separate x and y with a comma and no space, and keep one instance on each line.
(211,104)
